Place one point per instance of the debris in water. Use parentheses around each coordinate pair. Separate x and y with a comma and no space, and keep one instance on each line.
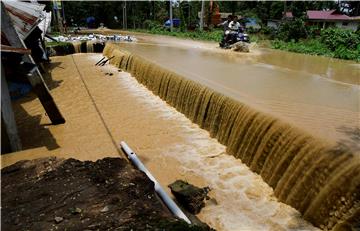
(189,196)
(97,37)
(100,61)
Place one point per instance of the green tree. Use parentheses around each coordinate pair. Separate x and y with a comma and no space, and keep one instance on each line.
(292,30)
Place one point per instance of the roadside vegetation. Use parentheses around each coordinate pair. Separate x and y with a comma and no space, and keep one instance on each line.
(155,28)
(292,35)
(60,48)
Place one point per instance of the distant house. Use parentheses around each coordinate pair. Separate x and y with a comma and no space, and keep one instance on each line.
(331,18)
(324,19)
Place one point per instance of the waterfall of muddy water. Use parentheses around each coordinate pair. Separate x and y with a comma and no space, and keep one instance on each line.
(318,104)
(90,46)
(77,47)
(84,46)
(317,177)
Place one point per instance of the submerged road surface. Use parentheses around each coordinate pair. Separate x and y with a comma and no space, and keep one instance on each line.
(102,106)
(318,94)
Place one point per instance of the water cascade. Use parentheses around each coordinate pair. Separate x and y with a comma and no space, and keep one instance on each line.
(90,46)
(77,47)
(319,179)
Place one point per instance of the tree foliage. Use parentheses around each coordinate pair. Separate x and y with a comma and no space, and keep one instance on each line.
(292,30)
(158,11)
(334,38)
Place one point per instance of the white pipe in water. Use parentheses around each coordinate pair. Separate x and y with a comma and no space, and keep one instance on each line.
(159,190)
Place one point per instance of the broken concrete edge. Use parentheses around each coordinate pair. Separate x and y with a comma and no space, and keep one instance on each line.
(68,48)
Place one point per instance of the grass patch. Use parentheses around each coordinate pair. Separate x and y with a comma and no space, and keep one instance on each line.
(60,48)
(214,35)
(316,47)
(53,44)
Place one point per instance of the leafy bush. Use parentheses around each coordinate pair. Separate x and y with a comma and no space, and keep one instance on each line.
(343,52)
(335,38)
(151,25)
(251,30)
(267,30)
(316,47)
(270,31)
(313,47)
(312,31)
(292,30)
(60,48)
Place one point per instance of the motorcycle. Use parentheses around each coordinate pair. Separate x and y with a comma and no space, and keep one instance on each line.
(232,37)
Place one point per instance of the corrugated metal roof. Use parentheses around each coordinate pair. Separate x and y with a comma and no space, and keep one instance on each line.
(25,16)
(44,24)
(326,15)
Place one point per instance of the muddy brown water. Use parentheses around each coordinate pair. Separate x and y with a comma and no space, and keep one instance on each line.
(316,178)
(306,171)
(169,144)
(319,94)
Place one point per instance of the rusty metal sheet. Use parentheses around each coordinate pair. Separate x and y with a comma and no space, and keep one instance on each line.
(25,16)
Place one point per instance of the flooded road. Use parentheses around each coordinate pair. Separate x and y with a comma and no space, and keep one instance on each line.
(302,169)
(315,93)
(169,144)
(104,105)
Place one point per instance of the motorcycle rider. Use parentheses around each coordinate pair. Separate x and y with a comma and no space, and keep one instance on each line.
(234,25)
(226,23)
(225,26)
(233,28)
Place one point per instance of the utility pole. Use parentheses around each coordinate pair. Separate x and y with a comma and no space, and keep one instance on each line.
(57,6)
(63,10)
(202,15)
(124,16)
(171,16)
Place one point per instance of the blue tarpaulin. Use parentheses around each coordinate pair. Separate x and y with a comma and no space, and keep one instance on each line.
(176,22)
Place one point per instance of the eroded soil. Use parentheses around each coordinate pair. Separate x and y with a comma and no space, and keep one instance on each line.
(58,194)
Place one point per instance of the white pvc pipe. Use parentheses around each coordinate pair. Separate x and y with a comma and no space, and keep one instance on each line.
(159,190)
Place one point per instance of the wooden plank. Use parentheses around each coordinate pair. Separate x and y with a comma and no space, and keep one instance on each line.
(7,115)
(10,49)
(36,79)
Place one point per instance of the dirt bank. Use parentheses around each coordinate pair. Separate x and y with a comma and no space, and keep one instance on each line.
(58,194)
